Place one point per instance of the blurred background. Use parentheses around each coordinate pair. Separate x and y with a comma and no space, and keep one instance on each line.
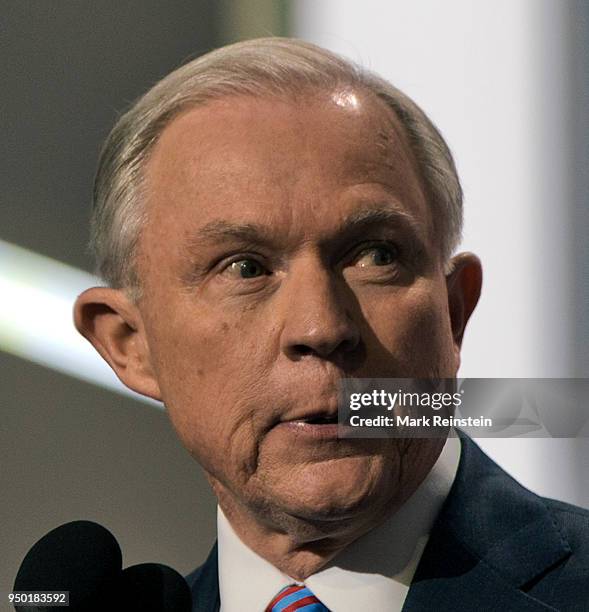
(507,82)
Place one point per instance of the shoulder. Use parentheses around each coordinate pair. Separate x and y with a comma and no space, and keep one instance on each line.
(541,542)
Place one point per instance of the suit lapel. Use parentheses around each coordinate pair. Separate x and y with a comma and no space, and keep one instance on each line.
(493,538)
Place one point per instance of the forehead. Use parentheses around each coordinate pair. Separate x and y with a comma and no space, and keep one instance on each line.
(302,164)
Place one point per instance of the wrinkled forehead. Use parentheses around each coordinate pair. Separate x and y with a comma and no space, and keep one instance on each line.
(304,163)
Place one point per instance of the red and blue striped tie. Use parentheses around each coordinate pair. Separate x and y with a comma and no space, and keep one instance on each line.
(295,597)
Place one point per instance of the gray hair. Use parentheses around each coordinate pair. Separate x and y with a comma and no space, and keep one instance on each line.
(262,67)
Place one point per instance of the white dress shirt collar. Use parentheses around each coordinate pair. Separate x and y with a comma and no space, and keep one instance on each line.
(374,572)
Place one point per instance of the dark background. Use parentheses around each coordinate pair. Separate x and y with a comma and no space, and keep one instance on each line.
(71,450)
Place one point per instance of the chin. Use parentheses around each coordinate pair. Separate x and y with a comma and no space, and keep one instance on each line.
(338,490)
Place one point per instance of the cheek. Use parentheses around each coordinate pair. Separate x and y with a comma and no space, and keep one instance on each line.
(412,329)
(211,374)
(193,346)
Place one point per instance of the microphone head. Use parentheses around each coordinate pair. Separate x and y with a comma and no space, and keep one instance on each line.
(151,587)
(81,557)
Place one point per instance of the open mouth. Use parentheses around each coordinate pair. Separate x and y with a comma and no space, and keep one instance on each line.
(312,428)
(321,420)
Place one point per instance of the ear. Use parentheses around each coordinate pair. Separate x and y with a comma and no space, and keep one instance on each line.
(112,323)
(463,283)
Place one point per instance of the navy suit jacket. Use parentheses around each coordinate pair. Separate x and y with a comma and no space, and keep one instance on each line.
(495,546)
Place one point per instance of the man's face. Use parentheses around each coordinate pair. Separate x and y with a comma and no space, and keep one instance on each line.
(287,245)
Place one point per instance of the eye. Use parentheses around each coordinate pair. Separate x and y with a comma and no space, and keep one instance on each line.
(379,255)
(245,268)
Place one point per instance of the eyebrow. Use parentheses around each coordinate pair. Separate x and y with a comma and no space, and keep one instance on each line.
(256,234)
(383,214)
(221,231)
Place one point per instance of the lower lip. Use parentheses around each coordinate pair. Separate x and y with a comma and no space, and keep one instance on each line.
(317,431)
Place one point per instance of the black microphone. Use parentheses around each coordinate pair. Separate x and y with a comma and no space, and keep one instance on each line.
(85,559)
(151,587)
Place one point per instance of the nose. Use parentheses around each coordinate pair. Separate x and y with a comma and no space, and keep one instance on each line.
(316,320)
